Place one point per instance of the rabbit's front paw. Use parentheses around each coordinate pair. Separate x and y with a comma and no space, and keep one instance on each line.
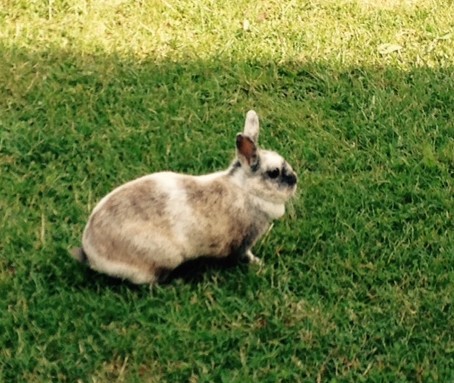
(252,259)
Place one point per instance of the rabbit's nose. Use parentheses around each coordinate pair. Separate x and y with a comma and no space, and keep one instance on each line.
(290,179)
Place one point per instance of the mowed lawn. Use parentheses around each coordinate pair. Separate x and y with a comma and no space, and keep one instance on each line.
(358,277)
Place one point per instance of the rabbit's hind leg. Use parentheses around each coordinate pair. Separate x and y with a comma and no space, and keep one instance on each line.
(139,273)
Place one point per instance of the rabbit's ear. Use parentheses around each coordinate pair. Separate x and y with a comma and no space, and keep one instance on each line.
(251,126)
(246,150)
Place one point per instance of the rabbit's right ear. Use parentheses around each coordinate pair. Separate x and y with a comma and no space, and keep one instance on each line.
(246,150)
(251,126)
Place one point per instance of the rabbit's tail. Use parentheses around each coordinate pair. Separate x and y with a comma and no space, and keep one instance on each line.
(79,254)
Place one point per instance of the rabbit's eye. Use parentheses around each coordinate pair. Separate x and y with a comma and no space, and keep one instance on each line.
(273,173)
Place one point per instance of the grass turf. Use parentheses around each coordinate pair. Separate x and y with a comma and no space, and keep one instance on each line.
(358,96)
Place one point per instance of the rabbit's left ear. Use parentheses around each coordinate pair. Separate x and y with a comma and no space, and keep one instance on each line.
(251,126)
(246,150)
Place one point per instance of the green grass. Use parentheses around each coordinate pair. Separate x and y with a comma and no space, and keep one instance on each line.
(358,281)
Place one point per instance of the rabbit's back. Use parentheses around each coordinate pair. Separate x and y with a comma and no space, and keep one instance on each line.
(158,221)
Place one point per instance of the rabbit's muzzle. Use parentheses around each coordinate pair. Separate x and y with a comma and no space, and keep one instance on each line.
(290,179)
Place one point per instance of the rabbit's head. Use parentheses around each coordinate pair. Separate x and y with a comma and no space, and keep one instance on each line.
(263,173)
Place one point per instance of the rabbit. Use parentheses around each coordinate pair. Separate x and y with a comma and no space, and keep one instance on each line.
(146,228)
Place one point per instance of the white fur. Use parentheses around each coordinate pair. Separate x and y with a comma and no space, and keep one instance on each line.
(251,125)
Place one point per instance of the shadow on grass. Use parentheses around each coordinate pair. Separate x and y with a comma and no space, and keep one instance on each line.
(191,272)
(372,146)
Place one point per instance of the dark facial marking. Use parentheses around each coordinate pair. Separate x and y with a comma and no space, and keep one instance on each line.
(283,175)
(274,173)
(288,176)
(289,179)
